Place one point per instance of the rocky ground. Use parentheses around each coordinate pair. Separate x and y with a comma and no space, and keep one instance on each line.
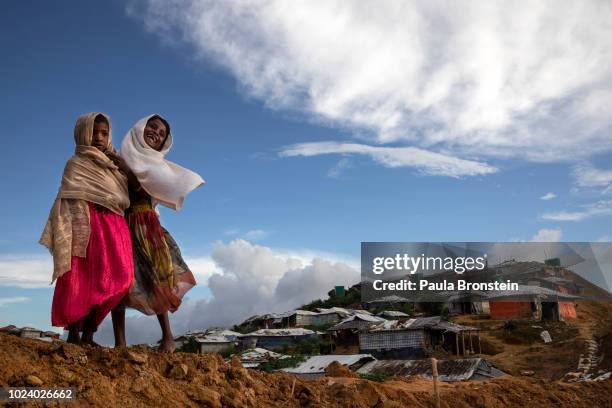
(139,377)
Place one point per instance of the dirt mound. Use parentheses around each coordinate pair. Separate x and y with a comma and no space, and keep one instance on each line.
(336,369)
(138,377)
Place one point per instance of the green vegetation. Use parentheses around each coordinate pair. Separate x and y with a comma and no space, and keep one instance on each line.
(279,363)
(190,346)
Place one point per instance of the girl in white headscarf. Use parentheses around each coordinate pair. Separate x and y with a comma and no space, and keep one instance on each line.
(161,277)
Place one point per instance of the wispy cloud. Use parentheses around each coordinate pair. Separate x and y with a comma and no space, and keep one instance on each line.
(425,161)
(587,176)
(599,208)
(250,235)
(462,78)
(548,196)
(26,271)
(35,271)
(11,300)
(548,235)
(339,168)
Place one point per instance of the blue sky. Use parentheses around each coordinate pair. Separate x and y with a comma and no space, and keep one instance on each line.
(292,152)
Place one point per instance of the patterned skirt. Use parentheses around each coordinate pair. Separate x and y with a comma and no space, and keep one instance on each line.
(161,277)
(99,281)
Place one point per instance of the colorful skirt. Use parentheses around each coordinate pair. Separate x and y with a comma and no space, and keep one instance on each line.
(161,277)
(100,280)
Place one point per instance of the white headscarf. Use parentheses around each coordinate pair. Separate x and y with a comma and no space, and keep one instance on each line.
(167,183)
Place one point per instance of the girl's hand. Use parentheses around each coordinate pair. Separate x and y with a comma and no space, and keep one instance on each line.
(118,160)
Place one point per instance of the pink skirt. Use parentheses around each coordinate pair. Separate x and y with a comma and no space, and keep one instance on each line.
(102,278)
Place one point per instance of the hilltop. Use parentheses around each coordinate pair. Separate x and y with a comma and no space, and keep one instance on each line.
(139,377)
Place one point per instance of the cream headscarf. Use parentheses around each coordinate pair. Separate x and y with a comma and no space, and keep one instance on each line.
(167,183)
(89,175)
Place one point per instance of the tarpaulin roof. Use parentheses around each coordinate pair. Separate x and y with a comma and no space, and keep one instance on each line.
(448,370)
(318,364)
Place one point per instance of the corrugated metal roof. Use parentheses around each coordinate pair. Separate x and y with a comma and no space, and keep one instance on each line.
(297,331)
(432,322)
(448,370)
(392,313)
(357,321)
(258,355)
(390,299)
(318,364)
(526,290)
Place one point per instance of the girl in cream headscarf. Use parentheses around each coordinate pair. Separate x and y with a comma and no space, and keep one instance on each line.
(161,277)
(87,234)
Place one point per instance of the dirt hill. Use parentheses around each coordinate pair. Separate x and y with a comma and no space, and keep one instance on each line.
(139,377)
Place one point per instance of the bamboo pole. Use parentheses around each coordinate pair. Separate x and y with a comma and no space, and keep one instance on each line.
(471,345)
(457,343)
(434,375)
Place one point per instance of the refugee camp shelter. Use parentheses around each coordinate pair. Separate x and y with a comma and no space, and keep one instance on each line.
(216,341)
(418,337)
(314,367)
(387,302)
(273,338)
(346,333)
(532,302)
(468,302)
(473,369)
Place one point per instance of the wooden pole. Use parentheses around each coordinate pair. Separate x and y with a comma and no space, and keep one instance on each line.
(457,343)
(479,347)
(463,343)
(293,388)
(434,375)
(471,345)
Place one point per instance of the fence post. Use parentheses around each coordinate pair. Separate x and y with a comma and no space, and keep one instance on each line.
(434,374)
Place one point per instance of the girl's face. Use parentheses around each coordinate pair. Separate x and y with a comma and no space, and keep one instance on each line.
(155,133)
(100,136)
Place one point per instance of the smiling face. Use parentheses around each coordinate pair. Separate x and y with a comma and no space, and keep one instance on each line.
(155,133)
(101,134)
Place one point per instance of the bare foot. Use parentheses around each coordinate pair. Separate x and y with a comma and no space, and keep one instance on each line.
(166,345)
(92,343)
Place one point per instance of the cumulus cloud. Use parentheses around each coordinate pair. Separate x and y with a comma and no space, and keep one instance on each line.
(599,208)
(12,300)
(254,279)
(425,161)
(493,79)
(548,196)
(547,235)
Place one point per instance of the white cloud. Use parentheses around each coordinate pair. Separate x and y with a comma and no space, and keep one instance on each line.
(548,196)
(465,78)
(425,161)
(599,208)
(547,235)
(254,279)
(12,300)
(339,168)
(26,271)
(587,176)
(250,235)
(605,238)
